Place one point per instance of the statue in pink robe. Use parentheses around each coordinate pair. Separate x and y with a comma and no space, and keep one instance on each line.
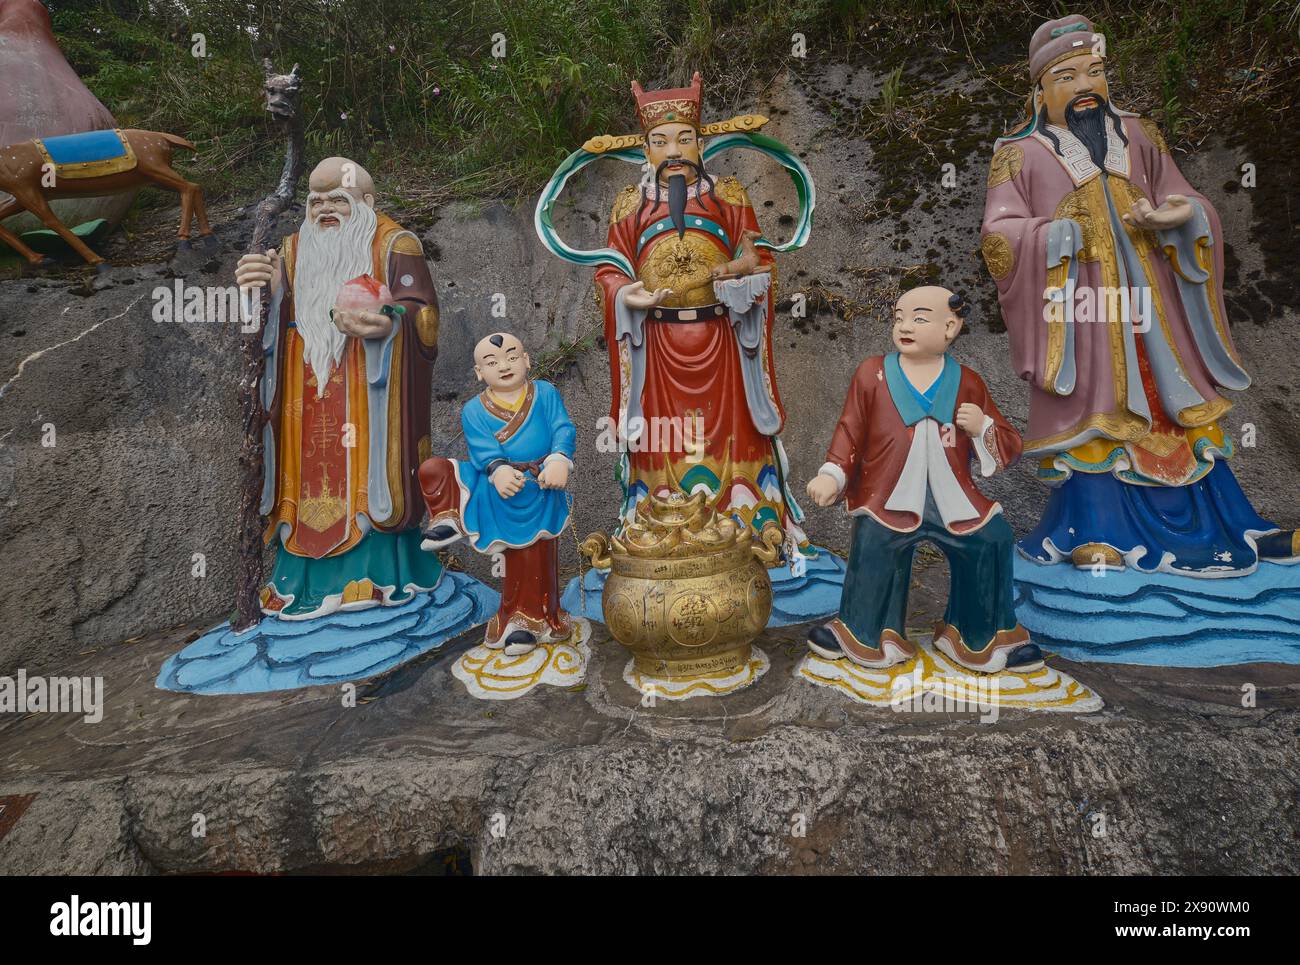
(1109,268)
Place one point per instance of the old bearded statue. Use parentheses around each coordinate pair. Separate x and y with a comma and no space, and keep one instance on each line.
(350,345)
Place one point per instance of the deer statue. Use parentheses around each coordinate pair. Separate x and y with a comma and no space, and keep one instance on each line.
(92,164)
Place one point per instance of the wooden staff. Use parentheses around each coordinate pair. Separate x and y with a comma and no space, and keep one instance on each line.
(282,93)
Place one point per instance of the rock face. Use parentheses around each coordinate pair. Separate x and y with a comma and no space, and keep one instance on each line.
(101,529)
(1174,777)
(44,97)
(118,484)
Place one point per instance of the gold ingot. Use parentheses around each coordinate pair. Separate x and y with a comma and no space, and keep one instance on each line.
(688,591)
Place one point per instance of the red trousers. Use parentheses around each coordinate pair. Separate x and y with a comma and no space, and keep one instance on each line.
(530,590)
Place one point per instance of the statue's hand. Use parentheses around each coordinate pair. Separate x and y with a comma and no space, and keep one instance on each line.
(823,490)
(259,271)
(508,480)
(1176,211)
(970,419)
(362,324)
(554,475)
(636,296)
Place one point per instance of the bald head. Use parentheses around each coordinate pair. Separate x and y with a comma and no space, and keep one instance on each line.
(334,173)
(926,321)
(501,362)
(936,298)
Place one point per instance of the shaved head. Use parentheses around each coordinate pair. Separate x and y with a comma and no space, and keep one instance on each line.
(498,343)
(334,173)
(934,298)
(501,362)
(926,320)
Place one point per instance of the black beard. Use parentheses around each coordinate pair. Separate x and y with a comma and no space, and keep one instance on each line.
(1089,126)
(677,191)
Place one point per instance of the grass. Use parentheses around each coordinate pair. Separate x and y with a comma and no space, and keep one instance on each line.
(470,99)
(481,98)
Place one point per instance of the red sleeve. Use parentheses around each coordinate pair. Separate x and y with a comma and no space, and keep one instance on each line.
(419,298)
(1001,438)
(848,443)
(608,281)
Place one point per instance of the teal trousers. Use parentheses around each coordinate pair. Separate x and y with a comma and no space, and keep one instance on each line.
(880,572)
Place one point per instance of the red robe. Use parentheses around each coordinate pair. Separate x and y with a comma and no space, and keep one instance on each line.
(693,370)
(871,444)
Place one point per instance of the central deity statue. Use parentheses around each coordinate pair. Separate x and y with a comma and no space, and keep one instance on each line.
(689,328)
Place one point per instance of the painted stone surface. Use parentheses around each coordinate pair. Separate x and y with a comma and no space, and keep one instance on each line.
(1160,619)
(493,675)
(933,682)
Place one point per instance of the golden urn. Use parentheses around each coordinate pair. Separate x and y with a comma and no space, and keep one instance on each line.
(688,589)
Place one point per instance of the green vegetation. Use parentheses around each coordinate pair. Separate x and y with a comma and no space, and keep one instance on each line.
(414,91)
(463,98)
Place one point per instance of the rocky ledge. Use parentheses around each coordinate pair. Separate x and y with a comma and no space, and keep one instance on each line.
(408,773)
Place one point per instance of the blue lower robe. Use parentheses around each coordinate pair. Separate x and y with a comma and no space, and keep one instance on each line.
(492,523)
(1207,526)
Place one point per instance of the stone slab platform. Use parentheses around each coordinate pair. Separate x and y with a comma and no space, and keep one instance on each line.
(1175,776)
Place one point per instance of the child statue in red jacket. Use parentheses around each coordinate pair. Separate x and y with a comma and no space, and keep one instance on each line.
(912,422)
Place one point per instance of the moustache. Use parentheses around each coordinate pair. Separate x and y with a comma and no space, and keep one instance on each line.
(1072,107)
(677,190)
(684,162)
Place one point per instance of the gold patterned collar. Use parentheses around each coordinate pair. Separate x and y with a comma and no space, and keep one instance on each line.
(513,416)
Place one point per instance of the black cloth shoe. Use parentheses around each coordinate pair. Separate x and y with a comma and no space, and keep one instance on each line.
(824,643)
(519,642)
(1278,546)
(1025,657)
(439,536)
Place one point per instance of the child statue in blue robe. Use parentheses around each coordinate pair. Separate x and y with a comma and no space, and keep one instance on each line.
(508,497)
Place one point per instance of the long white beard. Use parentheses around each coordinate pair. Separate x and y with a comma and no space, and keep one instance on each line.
(327,259)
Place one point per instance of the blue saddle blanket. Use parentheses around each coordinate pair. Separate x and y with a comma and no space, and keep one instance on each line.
(88,146)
